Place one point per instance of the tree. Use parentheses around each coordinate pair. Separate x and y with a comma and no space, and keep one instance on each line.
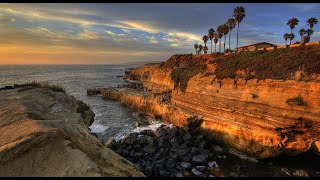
(215,41)
(196,47)
(312,21)
(210,35)
(292,23)
(291,36)
(285,37)
(239,15)
(225,32)
(231,23)
(220,34)
(205,39)
(309,32)
(200,48)
(302,32)
(205,48)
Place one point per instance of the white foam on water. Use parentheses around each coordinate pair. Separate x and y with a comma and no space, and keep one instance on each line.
(98,128)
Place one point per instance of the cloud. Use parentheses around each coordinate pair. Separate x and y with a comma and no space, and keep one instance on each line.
(153,40)
(5,20)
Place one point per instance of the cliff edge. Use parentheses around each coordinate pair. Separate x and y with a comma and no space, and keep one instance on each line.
(45,133)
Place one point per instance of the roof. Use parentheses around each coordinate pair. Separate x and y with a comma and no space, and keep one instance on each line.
(257,44)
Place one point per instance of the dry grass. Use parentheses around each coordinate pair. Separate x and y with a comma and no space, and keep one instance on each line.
(46,85)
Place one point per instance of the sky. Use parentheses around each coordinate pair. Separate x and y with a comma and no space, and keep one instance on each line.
(106,33)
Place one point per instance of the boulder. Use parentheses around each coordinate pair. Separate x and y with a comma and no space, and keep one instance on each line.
(170,163)
(160,132)
(163,143)
(194,150)
(196,172)
(164,173)
(173,131)
(143,132)
(217,148)
(199,158)
(185,165)
(150,133)
(202,144)
(149,149)
(201,168)
(148,170)
(152,141)
(186,137)
(110,142)
(186,157)
(179,175)
(157,168)
(130,140)
(301,173)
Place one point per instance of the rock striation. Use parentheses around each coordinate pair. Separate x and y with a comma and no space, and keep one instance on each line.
(45,133)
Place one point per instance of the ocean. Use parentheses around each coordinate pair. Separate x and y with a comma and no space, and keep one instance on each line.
(112,118)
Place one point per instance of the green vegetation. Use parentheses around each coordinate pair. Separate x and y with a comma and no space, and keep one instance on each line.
(46,85)
(181,76)
(278,64)
(296,100)
(82,108)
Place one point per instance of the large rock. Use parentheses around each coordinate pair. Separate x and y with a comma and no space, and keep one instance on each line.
(199,158)
(45,133)
(185,165)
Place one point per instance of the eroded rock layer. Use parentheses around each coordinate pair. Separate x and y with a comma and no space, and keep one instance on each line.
(262,117)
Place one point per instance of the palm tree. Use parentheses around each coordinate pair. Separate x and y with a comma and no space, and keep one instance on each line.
(220,34)
(196,47)
(231,23)
(200,48)
(210,35)
(239,14)
(205,39)
(215,41)
(301,33)
(291,36)
(285,37)
(225,32)
(309,32)
(292,23)
(312,21)
(205,48)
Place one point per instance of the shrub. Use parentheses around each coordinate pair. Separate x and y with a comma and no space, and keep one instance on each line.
(46,85)
(296,100)
(82,108)
(253,95)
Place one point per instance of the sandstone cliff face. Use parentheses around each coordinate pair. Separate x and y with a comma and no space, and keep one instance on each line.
(263,118)
(45,133)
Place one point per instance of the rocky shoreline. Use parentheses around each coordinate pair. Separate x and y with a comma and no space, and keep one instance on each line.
(171,151)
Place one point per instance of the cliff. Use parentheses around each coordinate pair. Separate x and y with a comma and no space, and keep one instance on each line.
(263,103)
(45,133)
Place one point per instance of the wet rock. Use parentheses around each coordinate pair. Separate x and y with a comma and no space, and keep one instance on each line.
(130,140)
(186,137)
(201,168)
(181,152)
(179,174)
(216,148)
(143,132)
(173,131)
(148,170)
(186,157)
(170,164)
(164,143)
(286,171)
(199,158)
(157,168)
(149,149)
(176,141)
(212,164)
(185,165)
(194,150)
(150,133)
(160,132)
(196,172)
(164,173)
(301,173)
(202,144)
(167,137)
(187,173)
(152,141)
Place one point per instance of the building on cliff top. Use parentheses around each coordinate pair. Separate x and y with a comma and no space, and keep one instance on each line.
(253,47)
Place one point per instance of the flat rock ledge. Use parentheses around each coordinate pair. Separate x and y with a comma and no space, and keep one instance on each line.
(45,133)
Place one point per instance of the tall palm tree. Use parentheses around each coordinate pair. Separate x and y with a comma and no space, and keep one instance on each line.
(200,48)
(301,33)
(292,23)
(239,15)
(210,35)
(215,41)
(291,36)
(220,34)
(225,32)
(285,37)
(312,21)
(196,47)
(231,23)
(309,32)
(205,39)
(205,49)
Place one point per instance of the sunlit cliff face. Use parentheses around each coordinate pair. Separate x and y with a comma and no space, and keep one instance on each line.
(120,33)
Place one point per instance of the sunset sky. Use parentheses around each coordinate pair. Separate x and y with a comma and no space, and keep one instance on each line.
(121,33)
